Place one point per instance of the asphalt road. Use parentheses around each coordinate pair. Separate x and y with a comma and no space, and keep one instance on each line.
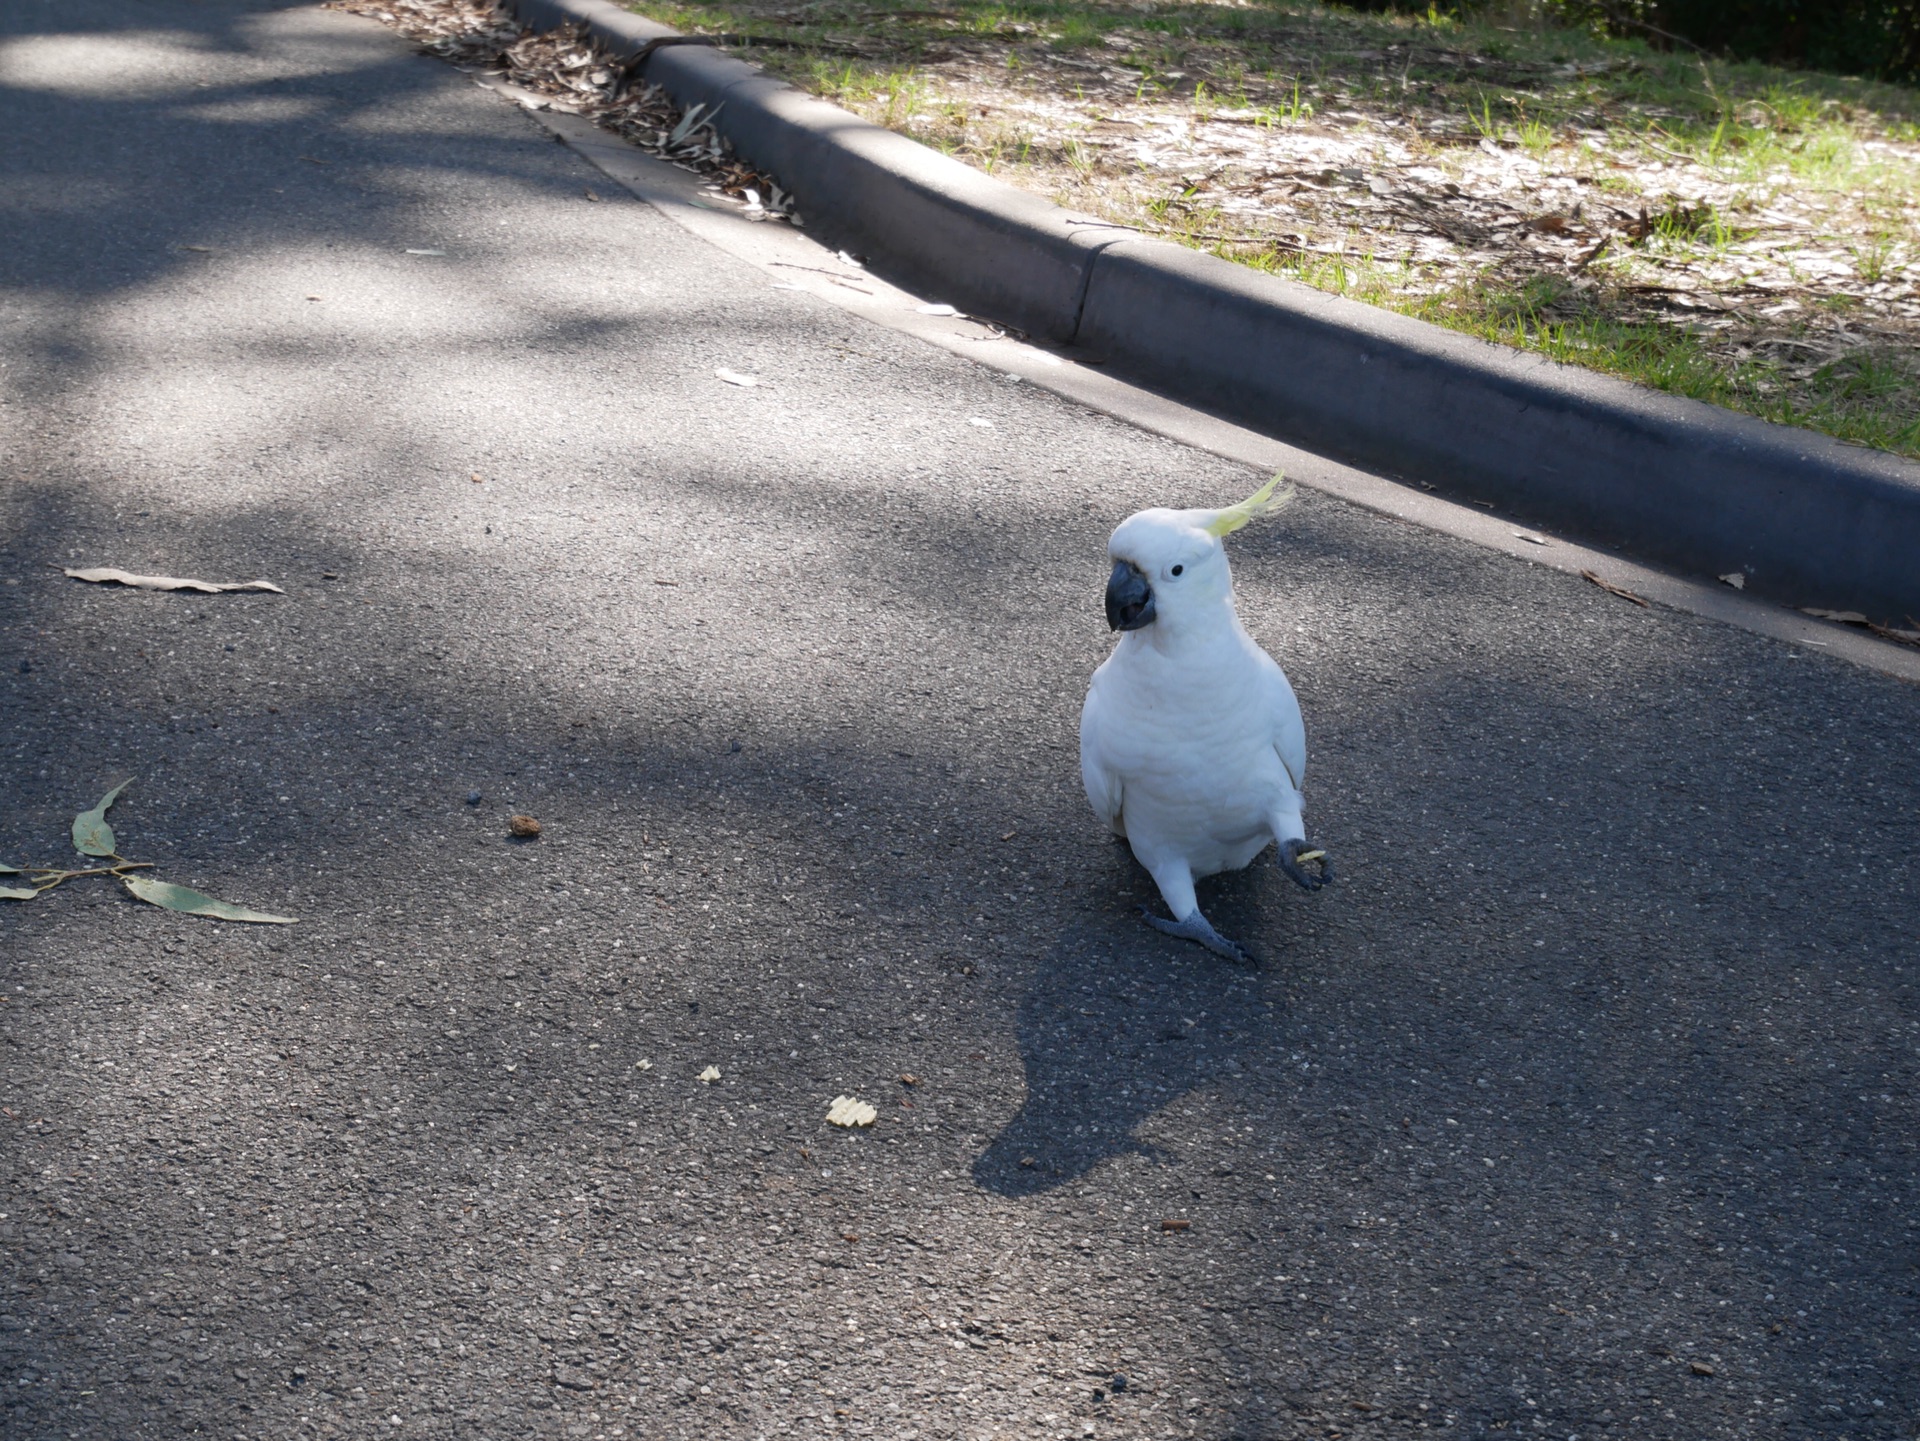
(1583,1105)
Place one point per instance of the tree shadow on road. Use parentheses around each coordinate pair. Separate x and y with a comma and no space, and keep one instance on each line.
(1561,1066)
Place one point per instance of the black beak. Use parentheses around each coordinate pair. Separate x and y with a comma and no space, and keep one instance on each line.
(1129,598)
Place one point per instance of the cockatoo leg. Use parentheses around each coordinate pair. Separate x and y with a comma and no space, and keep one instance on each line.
(1197,927)
(1291,862)
(1175,880)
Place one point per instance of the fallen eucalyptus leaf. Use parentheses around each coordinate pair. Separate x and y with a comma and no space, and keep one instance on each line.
(195,903)
(103,574)
(1735,578)
(1845,617)
(11,871)
(846,1111)
(689,122)
(14,893)
(92,836)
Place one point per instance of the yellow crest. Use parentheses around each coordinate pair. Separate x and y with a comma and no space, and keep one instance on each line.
(1259,503)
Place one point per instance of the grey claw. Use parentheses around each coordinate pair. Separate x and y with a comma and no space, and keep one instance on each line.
(1299,874)
(1197,928)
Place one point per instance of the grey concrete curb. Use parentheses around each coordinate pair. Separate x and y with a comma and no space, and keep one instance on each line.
(984,246)
(1806,519)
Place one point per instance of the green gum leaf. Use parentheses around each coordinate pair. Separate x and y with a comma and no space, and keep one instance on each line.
(14,893)
(92,836)
(196,903)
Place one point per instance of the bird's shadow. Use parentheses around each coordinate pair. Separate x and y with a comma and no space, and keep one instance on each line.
(1118,1021)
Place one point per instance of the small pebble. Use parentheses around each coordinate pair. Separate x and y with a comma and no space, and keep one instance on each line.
(26,667)
(1118,1383)
(526,827)
(473,798)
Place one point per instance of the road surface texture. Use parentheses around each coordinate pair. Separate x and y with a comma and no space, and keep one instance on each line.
(1583,1105)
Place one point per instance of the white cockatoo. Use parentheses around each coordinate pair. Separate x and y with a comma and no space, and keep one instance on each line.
(1191,743)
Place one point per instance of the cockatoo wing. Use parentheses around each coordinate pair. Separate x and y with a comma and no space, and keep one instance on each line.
(1103,785)
(1289,730)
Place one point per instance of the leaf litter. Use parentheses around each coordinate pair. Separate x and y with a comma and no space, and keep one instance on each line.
(572,74)
(92,836)
(1860,622)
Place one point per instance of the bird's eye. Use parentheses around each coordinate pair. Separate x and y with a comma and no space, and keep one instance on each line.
(1178,568)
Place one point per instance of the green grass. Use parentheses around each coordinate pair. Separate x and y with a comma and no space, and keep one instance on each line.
(1864,398)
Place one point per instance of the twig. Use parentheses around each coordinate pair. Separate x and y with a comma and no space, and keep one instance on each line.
(66,875)
(1670,154)
(1611,589)
(836,279)
(1278,244)
(1593,254)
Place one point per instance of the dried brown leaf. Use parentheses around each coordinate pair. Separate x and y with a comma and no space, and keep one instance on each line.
(105,575)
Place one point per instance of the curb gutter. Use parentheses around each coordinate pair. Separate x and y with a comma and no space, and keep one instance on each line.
(1807,519)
